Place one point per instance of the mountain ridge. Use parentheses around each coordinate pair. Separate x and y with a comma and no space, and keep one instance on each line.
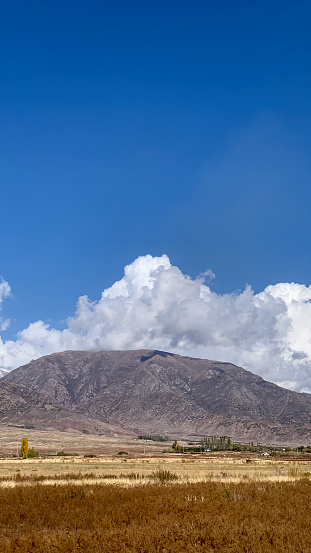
(148,391)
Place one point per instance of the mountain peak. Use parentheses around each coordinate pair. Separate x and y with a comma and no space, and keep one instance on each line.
(153,391)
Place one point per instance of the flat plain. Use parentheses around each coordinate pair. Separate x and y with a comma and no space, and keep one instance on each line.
(140,470)
(112,495)
(89,458)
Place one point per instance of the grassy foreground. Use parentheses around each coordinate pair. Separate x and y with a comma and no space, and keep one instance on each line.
(226,468)
(249,517)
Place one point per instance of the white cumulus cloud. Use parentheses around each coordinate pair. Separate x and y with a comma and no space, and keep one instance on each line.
(156,306)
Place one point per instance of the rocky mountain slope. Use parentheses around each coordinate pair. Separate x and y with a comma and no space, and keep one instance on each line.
(25,408)
(158,392)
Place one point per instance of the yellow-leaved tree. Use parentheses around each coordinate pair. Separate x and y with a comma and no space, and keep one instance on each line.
(24,448)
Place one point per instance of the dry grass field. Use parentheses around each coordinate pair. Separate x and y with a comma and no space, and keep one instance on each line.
(141,470)
(50,442)
(254,517)
(146,501)
(143,459)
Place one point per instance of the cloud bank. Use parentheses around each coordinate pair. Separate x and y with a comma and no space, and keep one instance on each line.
(156,306)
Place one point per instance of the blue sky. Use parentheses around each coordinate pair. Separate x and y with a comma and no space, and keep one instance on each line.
(134,128)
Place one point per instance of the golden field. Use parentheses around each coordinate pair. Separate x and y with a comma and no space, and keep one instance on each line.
(253,517)
(142,460)
(141,470)
(146,501)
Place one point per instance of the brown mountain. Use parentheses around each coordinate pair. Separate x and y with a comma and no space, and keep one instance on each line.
(26,408)
(158,392)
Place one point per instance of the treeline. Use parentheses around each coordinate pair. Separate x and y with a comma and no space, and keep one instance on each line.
(213,443)
(155,438)
(223,443)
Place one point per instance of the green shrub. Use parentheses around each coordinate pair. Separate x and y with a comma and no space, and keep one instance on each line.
(32,452)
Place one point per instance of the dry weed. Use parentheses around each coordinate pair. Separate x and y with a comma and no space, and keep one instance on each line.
(208,517)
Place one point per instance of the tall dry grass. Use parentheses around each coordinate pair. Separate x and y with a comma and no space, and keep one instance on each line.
(157,518)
